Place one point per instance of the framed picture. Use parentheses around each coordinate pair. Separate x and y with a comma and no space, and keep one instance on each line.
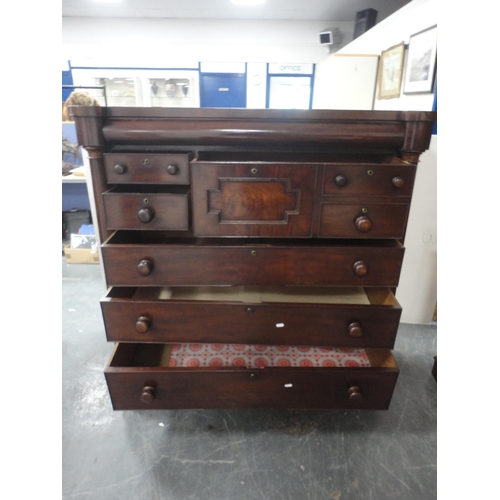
(390,71)
(421,62)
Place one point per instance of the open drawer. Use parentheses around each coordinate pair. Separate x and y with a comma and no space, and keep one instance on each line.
(316,316)
(162,376)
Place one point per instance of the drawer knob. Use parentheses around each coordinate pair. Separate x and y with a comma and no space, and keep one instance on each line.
(120,169)
(172,169)
(145,215)
(360,268)
(145,267)
(354,393)
(340,180)
(148,394)
(398,183)
(143,324)
(363,224)
(355,329)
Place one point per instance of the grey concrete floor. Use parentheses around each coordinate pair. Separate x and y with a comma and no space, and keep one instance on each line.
(238,454)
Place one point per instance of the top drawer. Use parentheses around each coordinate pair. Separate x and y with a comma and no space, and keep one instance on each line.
(369,179)
(145,168)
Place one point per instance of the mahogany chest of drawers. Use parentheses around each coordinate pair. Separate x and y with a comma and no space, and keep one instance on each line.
(251,256)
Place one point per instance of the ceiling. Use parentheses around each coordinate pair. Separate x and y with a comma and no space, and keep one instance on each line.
(294,10)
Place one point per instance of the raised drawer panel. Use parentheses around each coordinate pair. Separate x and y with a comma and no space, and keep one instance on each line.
(146,211)
(363,221)
(145,168)
(153,386)
(216,262)
(369,179)
(254,199)
(283,316)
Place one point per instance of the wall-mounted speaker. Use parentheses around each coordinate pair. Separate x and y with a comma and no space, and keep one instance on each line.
(365,19)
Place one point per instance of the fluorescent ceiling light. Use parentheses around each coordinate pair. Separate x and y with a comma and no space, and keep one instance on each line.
(248,2)
(107,1)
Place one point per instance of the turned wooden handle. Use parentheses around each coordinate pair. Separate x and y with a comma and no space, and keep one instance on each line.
(360,268)
(354,393)
(355,329)
(363,224)
(143,324)
(341,180)
(398,183)
(172,169)
(145,215)
(120,169)
(145,267)
(148,394)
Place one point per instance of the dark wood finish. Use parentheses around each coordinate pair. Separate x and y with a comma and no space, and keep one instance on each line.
(212,197)
(252,199)
(147,168)
(293,388)
(202,321)
(214,263)
(369,179)
(363,221)
(146,211)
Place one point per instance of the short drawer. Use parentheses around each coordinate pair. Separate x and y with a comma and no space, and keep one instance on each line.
(145,168)
(363,220)
(347,179)
(340,317)
(144,376)
(193,262)
(146,211)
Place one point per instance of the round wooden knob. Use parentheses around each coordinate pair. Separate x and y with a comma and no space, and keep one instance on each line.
(354,393)
(249,310)
(145,215)
(142,324)
(360,268)
(398,183)
(120,169)
(355,329)
(172,169)
(340,180)
(363,224)
(148,394)
(145,267)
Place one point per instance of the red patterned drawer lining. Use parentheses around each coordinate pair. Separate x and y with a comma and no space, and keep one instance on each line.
(261,356)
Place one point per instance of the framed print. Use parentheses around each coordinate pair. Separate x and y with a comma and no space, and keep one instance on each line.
(390,72)
(421,62)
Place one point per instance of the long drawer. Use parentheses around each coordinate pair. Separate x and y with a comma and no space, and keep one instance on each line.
(152,260)
(142,376)
(352,317)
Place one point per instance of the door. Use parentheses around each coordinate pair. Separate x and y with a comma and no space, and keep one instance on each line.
(223,91)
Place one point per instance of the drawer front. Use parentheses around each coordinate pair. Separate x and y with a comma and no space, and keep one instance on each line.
(164,265)
(363,221)
(146,211)
(369,180)
(144,387)
(139,168)
(259,200)
(128,319)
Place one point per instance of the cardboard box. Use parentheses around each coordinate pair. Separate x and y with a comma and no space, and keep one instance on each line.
(81,255)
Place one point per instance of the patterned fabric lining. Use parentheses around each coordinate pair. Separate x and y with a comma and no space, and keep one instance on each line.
(262,356)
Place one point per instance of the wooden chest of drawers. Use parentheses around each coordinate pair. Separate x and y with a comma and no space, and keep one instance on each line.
(251,256)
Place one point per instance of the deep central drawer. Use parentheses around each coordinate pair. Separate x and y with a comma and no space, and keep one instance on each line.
(136,260)
(144,376)
(336,316)
(253,199)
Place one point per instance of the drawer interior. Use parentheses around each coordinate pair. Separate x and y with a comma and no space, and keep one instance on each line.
(261,294)
(241,356)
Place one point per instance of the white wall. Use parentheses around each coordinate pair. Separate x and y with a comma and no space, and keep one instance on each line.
(417,291)
(173,42)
